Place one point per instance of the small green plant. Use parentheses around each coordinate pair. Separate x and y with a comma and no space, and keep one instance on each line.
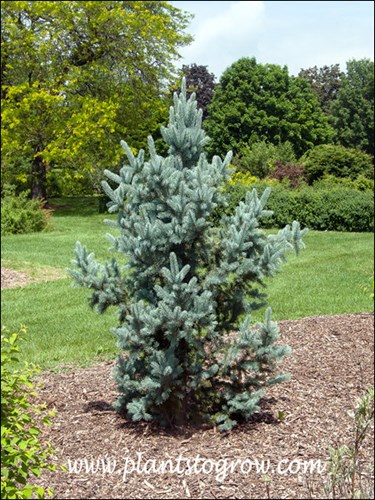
(22,453)
(345,474)
(22,215)
(267,482)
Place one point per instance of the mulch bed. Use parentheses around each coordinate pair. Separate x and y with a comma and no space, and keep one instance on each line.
(331,365)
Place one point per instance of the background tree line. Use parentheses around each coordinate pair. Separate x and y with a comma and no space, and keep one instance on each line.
(77,77)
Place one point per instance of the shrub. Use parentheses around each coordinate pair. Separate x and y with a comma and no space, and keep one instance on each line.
(291,172)
(259,158)
(22,453)
(325,209)
(337,161)
(361,183)
(22,215)
(243,179)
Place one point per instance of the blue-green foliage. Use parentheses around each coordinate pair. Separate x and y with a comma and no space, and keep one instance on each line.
(187,285)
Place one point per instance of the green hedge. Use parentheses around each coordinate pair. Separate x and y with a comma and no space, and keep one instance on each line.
(337,209)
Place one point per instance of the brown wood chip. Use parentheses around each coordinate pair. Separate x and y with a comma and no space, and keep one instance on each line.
(331,365)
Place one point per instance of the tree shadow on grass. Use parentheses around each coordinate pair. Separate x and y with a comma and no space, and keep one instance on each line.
(81,206)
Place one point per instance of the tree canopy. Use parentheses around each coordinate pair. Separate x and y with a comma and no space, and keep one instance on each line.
(325,82)
(255,102)
(76,78)
(200,81)
(353,110)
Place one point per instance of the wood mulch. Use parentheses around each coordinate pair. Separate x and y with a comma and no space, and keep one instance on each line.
(331,365)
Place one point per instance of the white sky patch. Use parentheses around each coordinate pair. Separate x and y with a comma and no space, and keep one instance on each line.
(223,33)
(305,34)
(296,34)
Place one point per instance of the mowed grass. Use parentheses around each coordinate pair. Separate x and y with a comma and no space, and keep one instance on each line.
(79,220)
(61,328)
(326,278)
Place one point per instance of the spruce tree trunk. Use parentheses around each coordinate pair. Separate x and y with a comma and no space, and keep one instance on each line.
(38,177)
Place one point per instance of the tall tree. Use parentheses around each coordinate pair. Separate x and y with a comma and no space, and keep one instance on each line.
(353,110)
(77,76)
(186,284)
(200,81)
(325,82)
(255,102)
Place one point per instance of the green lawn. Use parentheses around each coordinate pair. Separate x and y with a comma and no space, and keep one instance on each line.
(81,221)
(327,278)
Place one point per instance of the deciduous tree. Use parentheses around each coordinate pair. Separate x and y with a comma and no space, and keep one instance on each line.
(255,102)
(200,81)
(353,110)
(77,76)
(325,82)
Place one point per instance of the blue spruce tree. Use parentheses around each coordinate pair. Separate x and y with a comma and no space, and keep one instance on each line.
(187,290)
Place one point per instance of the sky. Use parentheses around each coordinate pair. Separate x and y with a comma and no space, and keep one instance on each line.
(296,34)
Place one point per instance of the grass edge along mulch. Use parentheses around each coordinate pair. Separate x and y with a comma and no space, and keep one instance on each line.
(331,366)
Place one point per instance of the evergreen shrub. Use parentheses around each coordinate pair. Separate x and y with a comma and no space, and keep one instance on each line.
(331,204)
(361,183)
(22,215)
(338,209)
(187,291)
(23,454)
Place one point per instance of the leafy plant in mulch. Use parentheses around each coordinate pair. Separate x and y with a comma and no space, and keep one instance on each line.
(187,284)
(347,474)
(23,454)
